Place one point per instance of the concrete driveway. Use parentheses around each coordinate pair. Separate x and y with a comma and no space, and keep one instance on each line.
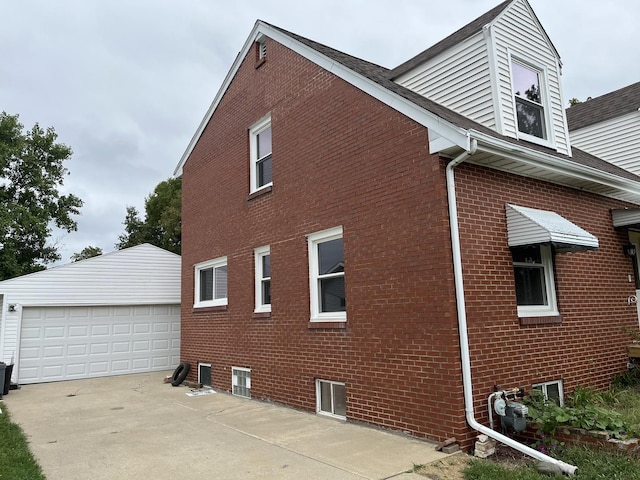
(137,427)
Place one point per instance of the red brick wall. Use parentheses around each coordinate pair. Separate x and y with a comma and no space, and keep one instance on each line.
(339,158)
(592,288)
(342,158)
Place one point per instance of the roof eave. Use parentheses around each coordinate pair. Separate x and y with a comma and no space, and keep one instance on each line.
(553,163)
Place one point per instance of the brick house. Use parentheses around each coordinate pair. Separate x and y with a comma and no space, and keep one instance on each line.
(388,245)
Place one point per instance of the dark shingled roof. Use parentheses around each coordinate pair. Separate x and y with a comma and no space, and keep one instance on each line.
(605,107)
(452,40)
(380,75)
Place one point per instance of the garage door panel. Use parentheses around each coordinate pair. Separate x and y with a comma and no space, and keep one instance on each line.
(79,342)
(121,347)
(55,351)
(100,330)
(78,331)
(122,329)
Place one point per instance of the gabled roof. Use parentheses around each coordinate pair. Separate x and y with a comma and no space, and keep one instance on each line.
(449,132)
(380,75)
(611,105)
(452,40)
(461,35)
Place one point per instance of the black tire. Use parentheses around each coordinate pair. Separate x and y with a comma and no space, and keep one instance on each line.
(180,374)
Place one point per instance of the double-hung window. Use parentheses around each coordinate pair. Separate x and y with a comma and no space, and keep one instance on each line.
(262,257)
(535,288)
(211,283)
(326,276)
(260,153)
(529,90)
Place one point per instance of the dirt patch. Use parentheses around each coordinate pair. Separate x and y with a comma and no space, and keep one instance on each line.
(453,467)
(450,468)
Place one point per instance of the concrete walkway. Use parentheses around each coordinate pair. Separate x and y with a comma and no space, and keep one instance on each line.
(137,427)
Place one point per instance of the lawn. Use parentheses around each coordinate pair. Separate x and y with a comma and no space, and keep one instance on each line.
(16,461)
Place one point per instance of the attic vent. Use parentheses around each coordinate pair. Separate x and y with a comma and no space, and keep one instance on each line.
(261,51)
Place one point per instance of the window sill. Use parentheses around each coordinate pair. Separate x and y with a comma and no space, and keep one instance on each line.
(218,308)
(549,320)
(327,325)
(259,193)
(260,62)
(261,315)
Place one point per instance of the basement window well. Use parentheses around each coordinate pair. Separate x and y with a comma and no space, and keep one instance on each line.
(331,399)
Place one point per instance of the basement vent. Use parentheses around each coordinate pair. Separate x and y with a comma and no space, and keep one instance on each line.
(204,374)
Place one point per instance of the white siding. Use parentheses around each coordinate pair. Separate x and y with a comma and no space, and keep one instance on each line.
(141,275)
(138,275)
(458,79)
(517,30)
(616,140)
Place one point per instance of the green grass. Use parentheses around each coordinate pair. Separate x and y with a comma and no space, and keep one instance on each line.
(627,403)
(592,465)
(16,461)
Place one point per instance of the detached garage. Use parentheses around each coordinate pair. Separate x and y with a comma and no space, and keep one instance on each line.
(114,314)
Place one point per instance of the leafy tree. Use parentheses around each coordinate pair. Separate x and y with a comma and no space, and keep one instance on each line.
(31,171)
(576,101)
(87,252)
(162,222)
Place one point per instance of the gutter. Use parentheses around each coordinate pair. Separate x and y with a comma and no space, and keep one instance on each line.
(462,323)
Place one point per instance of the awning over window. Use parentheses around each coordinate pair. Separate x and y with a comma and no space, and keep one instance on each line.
(625,217)
(529,226)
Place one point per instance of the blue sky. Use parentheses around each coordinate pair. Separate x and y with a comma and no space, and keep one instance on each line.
(126,83)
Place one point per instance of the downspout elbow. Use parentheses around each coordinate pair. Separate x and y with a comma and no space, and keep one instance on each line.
(462,322)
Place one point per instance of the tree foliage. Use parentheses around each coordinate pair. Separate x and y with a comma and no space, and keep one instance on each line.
(162,222)
(87,252)
(31,173)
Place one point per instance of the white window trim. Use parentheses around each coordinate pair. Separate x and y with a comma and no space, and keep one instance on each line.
(313,241)
(551,309)
(319,410)
(259,253)
(254,131)
(543,76)
(216,302)
(234,380)
(543,387)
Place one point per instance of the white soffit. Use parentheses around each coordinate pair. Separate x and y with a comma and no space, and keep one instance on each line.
(625,217)
(530,226)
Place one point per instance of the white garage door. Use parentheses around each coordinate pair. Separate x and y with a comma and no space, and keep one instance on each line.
(65,343)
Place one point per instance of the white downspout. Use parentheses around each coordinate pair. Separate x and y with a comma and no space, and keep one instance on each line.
(462,324)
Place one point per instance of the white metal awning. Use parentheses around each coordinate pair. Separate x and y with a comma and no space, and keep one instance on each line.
(625,217)
(530,226)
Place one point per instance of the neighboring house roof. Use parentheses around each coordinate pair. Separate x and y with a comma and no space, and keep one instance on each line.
(608,106)
(459,36)
(581,170)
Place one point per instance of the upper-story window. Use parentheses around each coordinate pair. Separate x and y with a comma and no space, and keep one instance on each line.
(260,153)
(529,91)
(263,279)
(211,283)
(326,276)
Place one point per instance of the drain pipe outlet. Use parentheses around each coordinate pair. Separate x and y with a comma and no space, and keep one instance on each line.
(462,325)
